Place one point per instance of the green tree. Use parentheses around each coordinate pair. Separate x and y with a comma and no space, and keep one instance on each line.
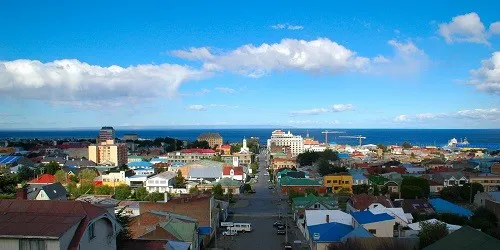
(51,167)
(122,192)
(217,157)
(87,176)
(217,191)
(311,191)
(235,148)
(25,173)
(376,190)
(382,146)
(103,190)
(411,192)
(156,196)
(194,190)
(141,194)
(254,166)
(74,178)
(60,176)
(406,145)
(465,191)
(452,193)
(253,145)
(412,181)
(8,183)
(73,189)
(330,155)
(325,168)
(247,187)
(483,219)
(308,158)
(431,232)
(179,180)
(293,194)
(360,189)
(125,233)
(199,144)
(86,188)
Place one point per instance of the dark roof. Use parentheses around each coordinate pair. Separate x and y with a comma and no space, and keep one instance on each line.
(143,244)
(53,190)
(296,174)
(466,238)
(416,205)
(46,218)
(363,201)
(80,163)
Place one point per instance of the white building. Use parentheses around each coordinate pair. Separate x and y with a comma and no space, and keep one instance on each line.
(280,138)
(161,182)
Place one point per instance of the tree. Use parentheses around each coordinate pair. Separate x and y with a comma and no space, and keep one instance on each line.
(217,191)
(376,191)
(51,167)
(382,146)
(25,173)
(86,188)
(73,189)
(247,188)
(235,148)
(452,193)
(122,192)
(179,180)
(8,183)
(199,144)
(87,176)
(406,145)
(217,157)
(308,158)
(411,192)
(431,232)
(156,196)
(325,168)
(194,190)
(60,176)
(483,219)
(293,194)
(384,190)
(312,191)
(465,191)
(360,189)
(253,145)
(124,234)
(103,190)
(141,194)
(330,155)
(412,182)
(74,178)
(254,166)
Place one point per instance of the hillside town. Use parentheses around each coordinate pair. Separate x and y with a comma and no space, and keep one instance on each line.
(288,192)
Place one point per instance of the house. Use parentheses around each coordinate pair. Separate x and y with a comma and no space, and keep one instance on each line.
(480,198)
(228,186)
(290,173)
(401,218)
(75,171)
(312,202)
(81,163)
(449,179)
(128,208)
(161,225)
(103,201)
(43,179)
(360,202)
(234,173)
(416,206)
(54,191)
(318,217)
(490,182)
(279,163)
(323,235)
(465,238)
(359,179)
(160,182)
(300,185)
(54,224)
(444,206)
(435,187)
(380,225)
(144,171)
(415,227)
(205,174)
(202,208)
(136,181)
(140,164)
(337,182)
(114,179)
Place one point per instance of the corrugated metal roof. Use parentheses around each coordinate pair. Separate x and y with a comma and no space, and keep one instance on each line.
(9,159)
(207,172)
(443,206)
(329,232)
(365,217)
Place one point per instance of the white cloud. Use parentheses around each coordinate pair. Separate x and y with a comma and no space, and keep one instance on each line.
(467,28)
(282,26)
(407,59)
(487,77)
(492,114)
(316,111)
(197,107)
(225,90)
(401,118)
(495,28)
(426,116)
(313,122)
(223,106)
(320,55)
(72,80)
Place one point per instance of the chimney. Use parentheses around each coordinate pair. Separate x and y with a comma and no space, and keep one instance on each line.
(327,218)
(21,194)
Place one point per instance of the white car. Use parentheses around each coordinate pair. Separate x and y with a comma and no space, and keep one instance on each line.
(230,233)
(266,174)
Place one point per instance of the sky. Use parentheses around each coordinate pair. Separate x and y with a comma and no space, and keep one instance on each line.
(332,64)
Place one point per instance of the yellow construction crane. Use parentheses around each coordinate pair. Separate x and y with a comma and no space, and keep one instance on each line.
(326,132)
(357,137)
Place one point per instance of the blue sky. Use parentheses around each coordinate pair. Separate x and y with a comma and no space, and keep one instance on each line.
(355,64)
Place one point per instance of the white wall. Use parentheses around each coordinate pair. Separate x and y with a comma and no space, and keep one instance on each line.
(103,228)
(384,228)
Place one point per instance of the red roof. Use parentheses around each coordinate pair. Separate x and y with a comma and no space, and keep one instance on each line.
(363,201)
(442,170)
(227,170)
(46,218)
(197,150)
(225,146)
(43,179)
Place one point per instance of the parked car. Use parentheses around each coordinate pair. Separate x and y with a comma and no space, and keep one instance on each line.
(270,187)
(266,174)
(278,223)
(230,233)
(280,232)
(281,227)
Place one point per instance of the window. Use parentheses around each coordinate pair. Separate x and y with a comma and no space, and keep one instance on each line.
(31,244)
(328,181)
(372,231)
(91,231)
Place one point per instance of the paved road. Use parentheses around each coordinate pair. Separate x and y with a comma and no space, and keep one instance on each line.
(263,209)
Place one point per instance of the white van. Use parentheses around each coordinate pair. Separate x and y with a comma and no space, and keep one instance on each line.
(243,227)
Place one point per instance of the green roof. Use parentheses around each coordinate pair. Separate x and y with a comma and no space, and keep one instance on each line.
(134,157)
(288,181)
(378,180)
(182,230)
(306,201)
(279,174)
(466,238)
(206,163)
(227,182)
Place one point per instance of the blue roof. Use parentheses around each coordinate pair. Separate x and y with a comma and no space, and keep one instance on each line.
(143,168)
(329,232)
(204,230)
(343,156)
(140,164)
(365,217)
(7,159)
(358,232)
(444,206)
(358,177)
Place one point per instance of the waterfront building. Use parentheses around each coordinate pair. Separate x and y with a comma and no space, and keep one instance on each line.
(294,142)
(108,153)
(106,133)
(213,139)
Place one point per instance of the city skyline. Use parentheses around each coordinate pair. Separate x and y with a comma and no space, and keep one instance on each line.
(337,65)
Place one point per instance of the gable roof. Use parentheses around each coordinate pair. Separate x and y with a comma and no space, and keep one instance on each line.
(465,238)
(167,175)
(444,206)
(329,232)
(54,190)
(237,170)
(416,205)
(363,201)
(46,218)
(315,217)
(289,181)
(43,179)
(304,202)
(205,172)
(138,164)
(173,226)
(196,207)
(366,217)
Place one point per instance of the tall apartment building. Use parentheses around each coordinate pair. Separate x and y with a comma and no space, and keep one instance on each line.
(106,133)
(108,153)
(213,139)
(280,138)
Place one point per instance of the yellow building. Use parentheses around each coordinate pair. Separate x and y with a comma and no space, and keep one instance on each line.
(113,179)
(213,139)
(108,153)
(334,182)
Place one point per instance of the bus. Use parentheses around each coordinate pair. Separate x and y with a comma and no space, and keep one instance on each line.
(243,227)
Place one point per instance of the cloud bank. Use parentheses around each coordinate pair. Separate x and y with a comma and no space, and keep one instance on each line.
(467,28)
(316,111)
(487,77)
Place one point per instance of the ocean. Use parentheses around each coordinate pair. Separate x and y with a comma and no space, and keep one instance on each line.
(420,137)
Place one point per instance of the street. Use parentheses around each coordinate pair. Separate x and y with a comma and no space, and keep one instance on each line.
(261,209)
